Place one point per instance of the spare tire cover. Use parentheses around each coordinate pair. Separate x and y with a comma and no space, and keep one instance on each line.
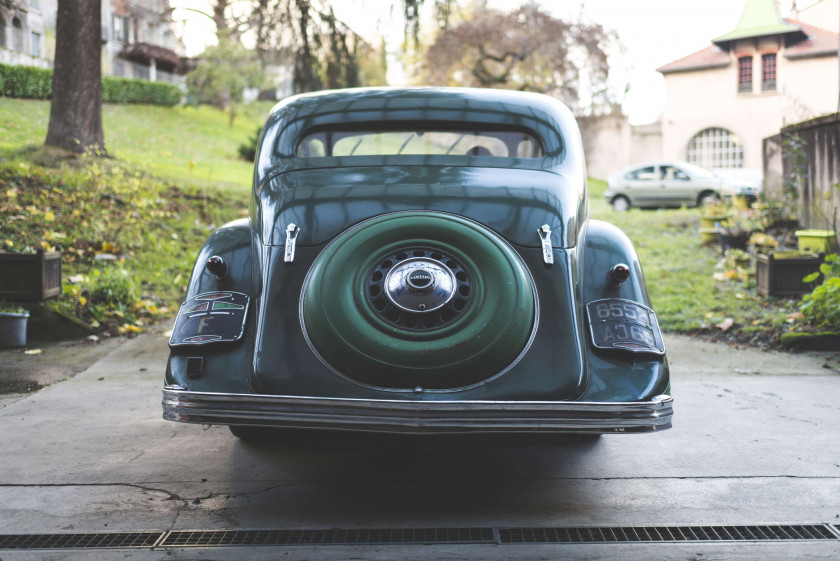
(422,299)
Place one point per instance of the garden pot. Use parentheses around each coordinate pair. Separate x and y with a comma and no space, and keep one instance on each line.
(816,241)
(729,241)
(712,220)
(709,236)
(743,202)
(13,329)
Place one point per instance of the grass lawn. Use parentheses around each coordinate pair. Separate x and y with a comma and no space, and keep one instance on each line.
(194,145)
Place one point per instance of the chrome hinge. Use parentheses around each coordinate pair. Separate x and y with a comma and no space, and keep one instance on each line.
(545,235)
(292,232)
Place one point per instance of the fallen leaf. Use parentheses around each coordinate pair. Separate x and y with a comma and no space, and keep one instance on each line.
(726,324)
(32,352)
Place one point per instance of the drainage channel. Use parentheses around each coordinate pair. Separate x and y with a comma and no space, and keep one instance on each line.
(422,536)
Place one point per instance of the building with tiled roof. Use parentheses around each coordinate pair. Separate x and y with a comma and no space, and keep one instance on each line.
(768,72)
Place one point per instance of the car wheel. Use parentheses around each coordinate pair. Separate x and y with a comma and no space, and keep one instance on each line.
(621,204)
(707,197)
(418,299)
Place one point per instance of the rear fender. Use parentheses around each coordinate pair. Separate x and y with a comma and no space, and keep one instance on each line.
(616,375)
(222,365)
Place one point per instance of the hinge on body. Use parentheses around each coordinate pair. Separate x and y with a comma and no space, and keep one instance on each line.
(545,235)
(292,232)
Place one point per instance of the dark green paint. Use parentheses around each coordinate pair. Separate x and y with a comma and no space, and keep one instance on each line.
(354,340)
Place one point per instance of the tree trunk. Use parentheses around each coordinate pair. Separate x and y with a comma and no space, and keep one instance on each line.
(76,105)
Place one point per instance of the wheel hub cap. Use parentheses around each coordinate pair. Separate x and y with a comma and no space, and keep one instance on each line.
(419,289)
(420,285)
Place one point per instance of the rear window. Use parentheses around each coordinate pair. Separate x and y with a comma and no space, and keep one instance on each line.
(500,144)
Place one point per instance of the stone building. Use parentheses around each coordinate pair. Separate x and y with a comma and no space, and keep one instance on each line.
(749,83)
(138,40)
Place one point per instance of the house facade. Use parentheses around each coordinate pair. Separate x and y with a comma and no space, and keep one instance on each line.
(767,73)
(138,40)
(27,32)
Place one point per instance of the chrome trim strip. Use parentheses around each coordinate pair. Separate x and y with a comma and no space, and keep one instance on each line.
(416,417)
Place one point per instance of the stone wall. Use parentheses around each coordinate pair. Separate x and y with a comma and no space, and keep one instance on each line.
(611,143)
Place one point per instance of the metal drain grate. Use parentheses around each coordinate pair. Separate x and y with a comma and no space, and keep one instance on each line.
(422,536)
(404,536)
(115,540)
(664,534)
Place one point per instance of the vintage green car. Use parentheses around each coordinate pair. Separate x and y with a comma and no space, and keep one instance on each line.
(419,261)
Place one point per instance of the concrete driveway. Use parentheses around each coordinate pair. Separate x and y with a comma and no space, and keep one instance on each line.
(755,442)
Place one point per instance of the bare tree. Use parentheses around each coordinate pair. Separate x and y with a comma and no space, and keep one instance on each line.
(527,49)
(76,105)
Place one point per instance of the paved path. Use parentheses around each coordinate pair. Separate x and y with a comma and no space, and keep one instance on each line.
(755,441)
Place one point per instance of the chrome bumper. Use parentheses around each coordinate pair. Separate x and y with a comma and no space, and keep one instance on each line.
(416,417)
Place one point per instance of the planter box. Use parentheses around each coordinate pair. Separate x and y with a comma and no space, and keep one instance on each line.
(30,276)
(815,241)
(781,274)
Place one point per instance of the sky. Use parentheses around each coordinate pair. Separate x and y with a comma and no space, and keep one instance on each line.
(653,32)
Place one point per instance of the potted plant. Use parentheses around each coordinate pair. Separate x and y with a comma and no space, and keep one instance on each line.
(13,320)
(734,232)
(762,242)
(712,214)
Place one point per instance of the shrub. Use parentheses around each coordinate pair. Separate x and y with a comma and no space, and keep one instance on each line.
(25,81)
(123,90)
(248,150)
(36,83)
(112,287)
(822,306)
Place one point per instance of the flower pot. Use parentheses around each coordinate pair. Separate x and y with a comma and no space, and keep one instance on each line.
(743,202)
(13,329)
(712,220)
(732,241)
(708,236)
(816,241)
(746,275)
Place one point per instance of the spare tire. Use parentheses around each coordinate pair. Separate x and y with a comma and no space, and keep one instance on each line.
(418,299)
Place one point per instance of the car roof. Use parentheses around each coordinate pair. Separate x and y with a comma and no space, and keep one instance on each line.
(290,119)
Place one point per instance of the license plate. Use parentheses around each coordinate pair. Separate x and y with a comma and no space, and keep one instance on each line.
(211,317)
(624,325)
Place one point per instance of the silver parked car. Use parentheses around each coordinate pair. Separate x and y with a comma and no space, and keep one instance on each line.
(664,184)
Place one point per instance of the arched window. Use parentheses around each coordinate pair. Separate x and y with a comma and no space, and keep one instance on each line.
(715,148)
(17,34)
(2,33)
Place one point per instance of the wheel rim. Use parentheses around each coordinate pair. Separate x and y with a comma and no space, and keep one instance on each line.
(470,322)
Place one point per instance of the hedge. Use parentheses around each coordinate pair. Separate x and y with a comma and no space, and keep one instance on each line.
(36,83)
